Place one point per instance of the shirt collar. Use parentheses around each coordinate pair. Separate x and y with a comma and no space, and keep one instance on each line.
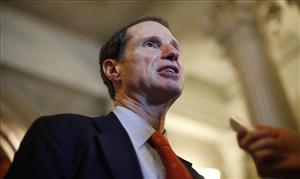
(137,128)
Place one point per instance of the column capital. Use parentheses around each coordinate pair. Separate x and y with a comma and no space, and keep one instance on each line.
(232,15)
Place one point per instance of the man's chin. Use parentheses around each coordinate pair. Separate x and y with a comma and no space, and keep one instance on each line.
(165,95)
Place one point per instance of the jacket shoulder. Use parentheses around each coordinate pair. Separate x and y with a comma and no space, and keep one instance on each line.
(65,125)
(51,139)
(62,119)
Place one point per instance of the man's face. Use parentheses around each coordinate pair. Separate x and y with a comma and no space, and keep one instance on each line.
(151,65)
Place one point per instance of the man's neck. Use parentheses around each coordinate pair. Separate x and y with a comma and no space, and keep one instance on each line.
(153,114)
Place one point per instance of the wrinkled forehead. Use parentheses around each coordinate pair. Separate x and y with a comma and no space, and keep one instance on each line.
(150,28)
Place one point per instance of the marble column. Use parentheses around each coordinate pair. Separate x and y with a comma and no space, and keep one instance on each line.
(243,35)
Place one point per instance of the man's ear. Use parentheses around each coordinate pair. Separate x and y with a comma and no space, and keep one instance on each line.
(111,69)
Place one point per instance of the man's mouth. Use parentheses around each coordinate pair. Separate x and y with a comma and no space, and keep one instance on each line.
(168,69)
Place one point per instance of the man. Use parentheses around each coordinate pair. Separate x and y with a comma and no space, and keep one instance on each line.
(140,66)
(275,151)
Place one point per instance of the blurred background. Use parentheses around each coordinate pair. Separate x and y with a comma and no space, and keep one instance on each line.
(240,57)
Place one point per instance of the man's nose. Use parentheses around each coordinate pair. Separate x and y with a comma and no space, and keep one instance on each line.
(169,52)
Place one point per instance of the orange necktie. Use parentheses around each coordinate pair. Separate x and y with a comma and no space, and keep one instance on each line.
(175,169)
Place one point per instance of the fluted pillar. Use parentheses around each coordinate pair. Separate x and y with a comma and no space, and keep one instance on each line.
(243,36)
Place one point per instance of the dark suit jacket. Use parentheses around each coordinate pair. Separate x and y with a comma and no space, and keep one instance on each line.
(72,146)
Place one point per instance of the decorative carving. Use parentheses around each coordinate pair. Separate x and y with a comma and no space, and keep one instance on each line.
(294,2)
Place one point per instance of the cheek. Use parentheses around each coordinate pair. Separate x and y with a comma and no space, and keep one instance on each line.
(153,67)
(135,71)
(148,64)
(142,65)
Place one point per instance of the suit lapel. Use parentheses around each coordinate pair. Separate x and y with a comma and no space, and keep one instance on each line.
(117,148)
(193,172)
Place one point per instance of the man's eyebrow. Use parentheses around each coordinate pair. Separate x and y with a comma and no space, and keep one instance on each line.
(175,44)
(152,38)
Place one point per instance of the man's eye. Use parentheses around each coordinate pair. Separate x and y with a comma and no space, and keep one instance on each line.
(151,44)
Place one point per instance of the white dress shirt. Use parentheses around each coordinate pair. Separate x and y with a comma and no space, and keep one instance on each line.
(139,132)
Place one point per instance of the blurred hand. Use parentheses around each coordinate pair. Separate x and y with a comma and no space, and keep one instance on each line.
(275,151)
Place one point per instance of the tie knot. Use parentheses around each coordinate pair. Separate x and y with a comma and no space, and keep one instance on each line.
(158,140)
(175,169)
